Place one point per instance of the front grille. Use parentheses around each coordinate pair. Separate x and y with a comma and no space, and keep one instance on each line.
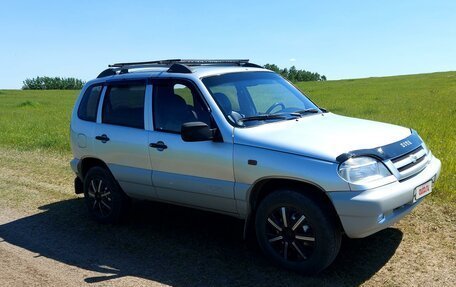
(410,163)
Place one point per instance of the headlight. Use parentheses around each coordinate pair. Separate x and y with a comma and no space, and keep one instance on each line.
(362,170)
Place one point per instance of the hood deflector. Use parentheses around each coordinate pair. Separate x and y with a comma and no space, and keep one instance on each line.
(386,152)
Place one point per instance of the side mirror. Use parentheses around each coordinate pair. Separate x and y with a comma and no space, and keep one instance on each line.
(196,132)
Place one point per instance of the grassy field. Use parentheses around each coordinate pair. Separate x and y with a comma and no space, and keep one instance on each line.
(46,237)
(31,120)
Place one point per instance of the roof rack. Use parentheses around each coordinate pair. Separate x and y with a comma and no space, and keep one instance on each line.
(175,65)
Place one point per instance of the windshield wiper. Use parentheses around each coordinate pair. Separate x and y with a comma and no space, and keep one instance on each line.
(306,111)
(262,118)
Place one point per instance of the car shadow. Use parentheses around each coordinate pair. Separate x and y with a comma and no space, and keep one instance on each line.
(180,247)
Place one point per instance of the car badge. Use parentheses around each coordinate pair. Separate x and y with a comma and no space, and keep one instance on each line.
(405,143)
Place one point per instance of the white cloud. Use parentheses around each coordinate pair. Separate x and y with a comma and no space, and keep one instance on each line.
(292,60)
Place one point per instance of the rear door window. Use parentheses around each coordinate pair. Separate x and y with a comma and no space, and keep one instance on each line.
(124,105)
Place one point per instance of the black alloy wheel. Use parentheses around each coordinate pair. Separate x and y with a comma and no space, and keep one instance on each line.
(296,231)
(290,234)
(105,200)
(99,197)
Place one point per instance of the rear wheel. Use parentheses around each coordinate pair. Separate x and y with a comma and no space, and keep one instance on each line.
(297,232)
(105,200)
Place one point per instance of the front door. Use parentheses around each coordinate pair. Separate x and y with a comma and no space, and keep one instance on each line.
(191,173)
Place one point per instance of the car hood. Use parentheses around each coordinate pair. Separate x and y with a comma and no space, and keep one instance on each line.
(323,136)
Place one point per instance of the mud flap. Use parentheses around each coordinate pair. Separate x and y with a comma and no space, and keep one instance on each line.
(78,186)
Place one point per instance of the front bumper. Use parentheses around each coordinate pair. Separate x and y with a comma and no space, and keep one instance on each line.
(364,213)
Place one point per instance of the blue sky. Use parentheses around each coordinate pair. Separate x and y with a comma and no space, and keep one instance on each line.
(340,39)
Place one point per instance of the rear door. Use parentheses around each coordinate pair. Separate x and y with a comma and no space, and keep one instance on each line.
(121,140)
(191,173)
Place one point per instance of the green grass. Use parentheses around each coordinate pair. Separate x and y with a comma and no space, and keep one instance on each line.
(31,120)
(36,119)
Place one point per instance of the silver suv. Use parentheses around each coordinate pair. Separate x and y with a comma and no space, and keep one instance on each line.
(231,137)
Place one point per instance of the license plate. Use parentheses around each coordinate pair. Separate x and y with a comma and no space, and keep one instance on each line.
(422,190)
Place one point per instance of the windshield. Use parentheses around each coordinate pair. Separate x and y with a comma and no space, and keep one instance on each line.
(254,98)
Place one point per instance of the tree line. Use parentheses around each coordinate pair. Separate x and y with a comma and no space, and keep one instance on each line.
(294,75)
(52,83)
(58,83)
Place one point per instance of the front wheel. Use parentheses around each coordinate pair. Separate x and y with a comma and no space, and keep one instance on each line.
(297,232)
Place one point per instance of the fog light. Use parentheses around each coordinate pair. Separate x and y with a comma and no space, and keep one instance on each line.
(380,218)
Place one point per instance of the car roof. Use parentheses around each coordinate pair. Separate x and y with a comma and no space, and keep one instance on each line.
(205,71)
(175,68)
(197,72)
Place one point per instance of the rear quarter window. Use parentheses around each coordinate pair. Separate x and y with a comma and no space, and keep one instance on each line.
(88,107)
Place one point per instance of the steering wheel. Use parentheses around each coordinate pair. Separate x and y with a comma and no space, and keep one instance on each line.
(271,108)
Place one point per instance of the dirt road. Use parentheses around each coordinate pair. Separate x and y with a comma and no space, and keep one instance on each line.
(46,239)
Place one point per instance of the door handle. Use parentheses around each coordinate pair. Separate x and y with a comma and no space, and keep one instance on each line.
(159,145)
(103,138)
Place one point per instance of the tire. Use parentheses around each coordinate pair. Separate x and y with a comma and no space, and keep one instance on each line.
(105,200)
(307,241)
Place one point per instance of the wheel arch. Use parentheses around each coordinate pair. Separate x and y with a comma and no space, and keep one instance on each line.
(87,163)
(262,188)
